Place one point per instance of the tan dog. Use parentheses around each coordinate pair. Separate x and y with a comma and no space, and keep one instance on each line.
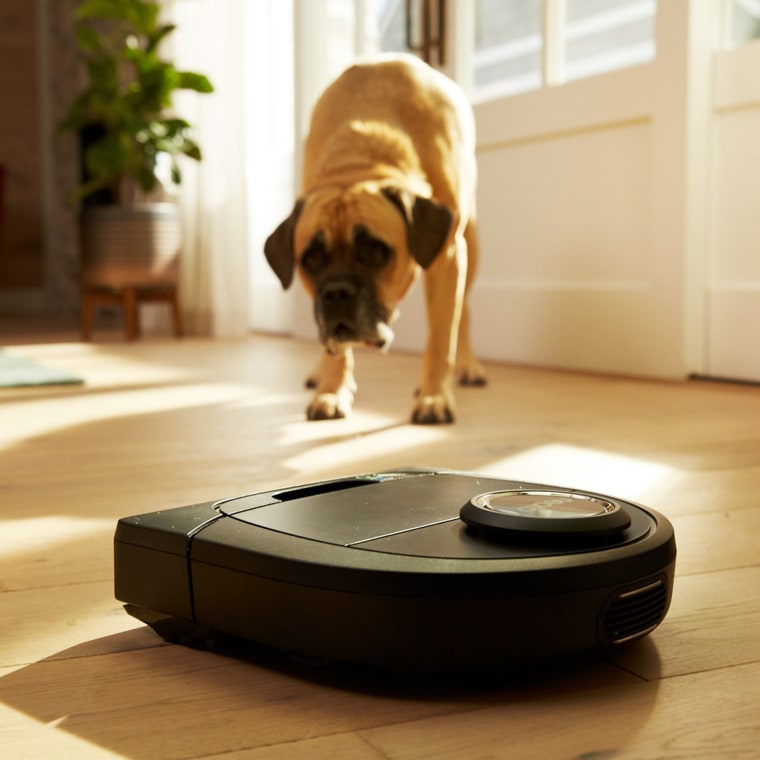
(388,191)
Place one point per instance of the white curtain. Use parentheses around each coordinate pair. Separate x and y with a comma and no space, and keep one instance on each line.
(210,39)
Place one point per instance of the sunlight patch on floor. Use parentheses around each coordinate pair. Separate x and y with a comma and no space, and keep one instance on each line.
(560,464)
(23,535)
(102,366)
(50,416)
(356,448)
(21,729)
(359,424)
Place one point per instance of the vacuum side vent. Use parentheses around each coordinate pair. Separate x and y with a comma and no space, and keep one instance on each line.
(634,612)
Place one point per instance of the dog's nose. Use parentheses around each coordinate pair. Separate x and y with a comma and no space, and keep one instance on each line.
(338,292)
(336,310)
(337,300)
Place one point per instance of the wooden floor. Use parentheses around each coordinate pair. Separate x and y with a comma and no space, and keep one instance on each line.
(164,423)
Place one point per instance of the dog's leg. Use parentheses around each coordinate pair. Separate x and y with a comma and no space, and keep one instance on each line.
(444,291)
(335,387)
(312,379)
(469,371)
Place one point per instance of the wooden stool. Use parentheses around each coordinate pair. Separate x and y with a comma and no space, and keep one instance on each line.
(129,297)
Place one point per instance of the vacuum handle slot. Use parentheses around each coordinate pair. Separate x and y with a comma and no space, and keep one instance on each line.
(342,484)
(316,489)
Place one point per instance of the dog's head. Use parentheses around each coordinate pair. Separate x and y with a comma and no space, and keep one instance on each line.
(358,251)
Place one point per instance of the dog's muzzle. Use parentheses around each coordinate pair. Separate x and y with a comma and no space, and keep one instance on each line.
(347,312)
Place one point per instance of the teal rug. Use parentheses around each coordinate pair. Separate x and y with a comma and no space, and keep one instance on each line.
(18,372)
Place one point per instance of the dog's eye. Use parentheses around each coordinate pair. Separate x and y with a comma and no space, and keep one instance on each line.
(315,258)
(369,250)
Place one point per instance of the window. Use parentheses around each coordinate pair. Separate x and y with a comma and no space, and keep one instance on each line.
(513,46)
(745,21)
(388,22)
(340,50)
(604,35)
(507,53)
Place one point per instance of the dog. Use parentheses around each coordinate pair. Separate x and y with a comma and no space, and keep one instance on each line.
(388,192)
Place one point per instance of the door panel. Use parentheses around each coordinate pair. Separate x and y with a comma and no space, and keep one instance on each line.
(565,234)
(733,287)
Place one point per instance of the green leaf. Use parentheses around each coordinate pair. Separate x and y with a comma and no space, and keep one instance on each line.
(192,150)
(107,157)
(189,80)
(158,129)
(88,39)
(98,9)
(141,15)
(154,39)
(147,178)
(175,126)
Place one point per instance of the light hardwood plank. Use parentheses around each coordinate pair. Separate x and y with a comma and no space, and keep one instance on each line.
(709,715)
(193,703)
(712,623)
(334,747)
(720,540)
(724,491)
(43,622)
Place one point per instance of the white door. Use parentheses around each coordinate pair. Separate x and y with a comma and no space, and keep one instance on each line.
(733,278)
(581,215)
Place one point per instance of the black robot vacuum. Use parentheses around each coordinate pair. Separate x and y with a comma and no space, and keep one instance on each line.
(413,569)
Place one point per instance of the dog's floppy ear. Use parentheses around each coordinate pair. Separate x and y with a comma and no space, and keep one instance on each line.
(279,247)
(427,221)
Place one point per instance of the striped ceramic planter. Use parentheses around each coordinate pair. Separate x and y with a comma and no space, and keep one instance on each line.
(126,246)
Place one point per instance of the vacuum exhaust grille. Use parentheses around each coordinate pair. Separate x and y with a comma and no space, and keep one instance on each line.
(633,613)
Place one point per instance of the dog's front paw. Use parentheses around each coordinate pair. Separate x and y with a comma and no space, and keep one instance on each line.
(329,406)
(471,373)
(433,410)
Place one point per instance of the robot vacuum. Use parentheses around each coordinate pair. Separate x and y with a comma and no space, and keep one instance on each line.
(413,569)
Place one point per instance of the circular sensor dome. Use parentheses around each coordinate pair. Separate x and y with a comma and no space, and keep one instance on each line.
(536,514)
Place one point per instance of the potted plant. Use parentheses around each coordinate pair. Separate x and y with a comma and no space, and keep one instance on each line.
(131,141)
